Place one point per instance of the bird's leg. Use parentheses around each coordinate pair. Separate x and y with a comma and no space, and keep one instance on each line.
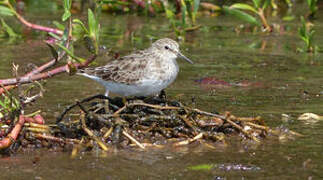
(106,93)
(106,101)
(156,99)
(162,95)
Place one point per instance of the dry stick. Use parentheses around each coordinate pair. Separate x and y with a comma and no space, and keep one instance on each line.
(188,141)
(271,130)
(89,132)
(258,126)
(67,109)
(56,139)
(154,106)
(108,133)
(242,130)
(189,124)
(145,104)
(35,125)
(206,113)
(208,145)
(133,139)
(37,130)
(258,118)
(120,110)
(76,148)
(295,133)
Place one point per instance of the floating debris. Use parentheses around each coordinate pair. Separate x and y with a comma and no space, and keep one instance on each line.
(100,122)
(310,118)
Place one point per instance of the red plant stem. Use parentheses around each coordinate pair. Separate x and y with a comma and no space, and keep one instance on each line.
(45,66)
(12,136)
(38,70)
(45,75)
(38,119)
(38,27)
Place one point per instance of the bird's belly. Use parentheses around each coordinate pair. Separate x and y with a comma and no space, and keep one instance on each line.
(144,88)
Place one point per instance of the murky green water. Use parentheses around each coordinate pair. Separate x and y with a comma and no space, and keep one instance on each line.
(281,81)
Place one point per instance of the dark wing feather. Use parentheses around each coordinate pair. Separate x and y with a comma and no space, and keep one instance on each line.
(127,70)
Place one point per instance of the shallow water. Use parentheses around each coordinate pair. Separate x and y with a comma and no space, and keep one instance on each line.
(278,81)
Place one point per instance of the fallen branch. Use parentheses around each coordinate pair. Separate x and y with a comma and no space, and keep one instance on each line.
(45,75)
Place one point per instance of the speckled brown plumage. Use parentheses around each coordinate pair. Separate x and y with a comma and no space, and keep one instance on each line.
(127,70)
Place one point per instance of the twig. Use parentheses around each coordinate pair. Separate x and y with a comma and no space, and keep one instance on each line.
(90,133)
(207,113)
(154,106)
(56,139)
(189,141)
(133,139)
(68,108)
(108,133)
(242,130)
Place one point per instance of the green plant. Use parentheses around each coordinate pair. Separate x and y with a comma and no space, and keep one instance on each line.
(312,5)
(8,104)
(306,33)
(257,9)
(189,9)
(77,31)
(6,30)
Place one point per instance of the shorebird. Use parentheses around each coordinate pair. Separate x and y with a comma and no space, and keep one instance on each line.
(142,73)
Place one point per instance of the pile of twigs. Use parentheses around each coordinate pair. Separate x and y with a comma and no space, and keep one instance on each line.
(143,123)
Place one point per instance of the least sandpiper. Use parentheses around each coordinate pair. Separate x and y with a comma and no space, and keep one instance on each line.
(142,73)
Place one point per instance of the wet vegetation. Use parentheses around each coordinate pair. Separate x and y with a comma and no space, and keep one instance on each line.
(104,124)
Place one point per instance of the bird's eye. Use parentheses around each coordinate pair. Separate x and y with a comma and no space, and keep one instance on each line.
(166,47)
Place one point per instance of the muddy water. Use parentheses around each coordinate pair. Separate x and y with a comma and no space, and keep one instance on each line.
(247,74)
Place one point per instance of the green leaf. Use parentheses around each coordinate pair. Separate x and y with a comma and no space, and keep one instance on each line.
(241,15)
(288,18)
(8,30)
(67,8)
(2,104)
(67,4)
(59,25)
(243,7)
(183,12)
(273,4)
(201,167)
(196,5)
(54,35)
(53,51)
(266,4)
(77,21)
(256,3)
(66,15)
(6,11)
(78,59)
(92,23)
(189,8)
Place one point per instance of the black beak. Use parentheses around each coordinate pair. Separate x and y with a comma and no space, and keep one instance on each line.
(184,57)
